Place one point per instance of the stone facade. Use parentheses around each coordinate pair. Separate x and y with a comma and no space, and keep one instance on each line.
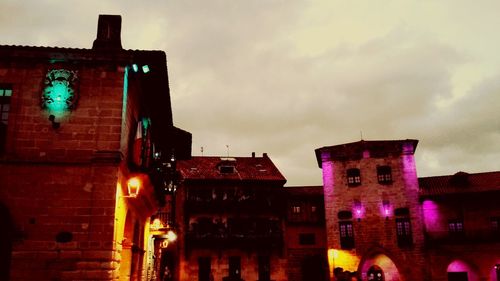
(383,223)
(231,222)
(68,213)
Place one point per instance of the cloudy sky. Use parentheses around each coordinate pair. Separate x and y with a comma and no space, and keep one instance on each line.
(287,77)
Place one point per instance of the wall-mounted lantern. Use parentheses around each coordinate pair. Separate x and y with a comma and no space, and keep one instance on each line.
(386,207)
(171,236)
(133,186)
(358,209)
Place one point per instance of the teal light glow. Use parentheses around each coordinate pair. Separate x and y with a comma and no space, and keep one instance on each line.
(59,95)
(145,68)
(135,67)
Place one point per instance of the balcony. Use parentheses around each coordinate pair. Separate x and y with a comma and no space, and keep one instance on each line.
(244,234)
(230,204)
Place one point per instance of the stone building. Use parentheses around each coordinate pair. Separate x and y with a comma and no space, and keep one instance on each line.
(231,221)
(78,131)
(384,223)
(305,237)
(462,225)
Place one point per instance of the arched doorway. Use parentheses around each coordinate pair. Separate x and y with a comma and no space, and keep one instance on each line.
(6,235)
(375,273)
(379,267)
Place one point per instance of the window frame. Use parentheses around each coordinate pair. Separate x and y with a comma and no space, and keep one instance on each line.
(6,93)
(353,177)
(346,233)
(384,174)
(456,229)
(404,232)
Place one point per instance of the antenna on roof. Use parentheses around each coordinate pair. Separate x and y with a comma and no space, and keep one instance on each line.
(201,149)
(227,148)
(361,134)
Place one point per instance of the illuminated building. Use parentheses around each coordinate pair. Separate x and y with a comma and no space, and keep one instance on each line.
(79,182)
(384,223)
(230,214)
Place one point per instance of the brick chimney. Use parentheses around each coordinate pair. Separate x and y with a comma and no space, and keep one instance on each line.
(108,33)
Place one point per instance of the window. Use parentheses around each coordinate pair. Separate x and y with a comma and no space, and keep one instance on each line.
(296,209)
(264,268)
(495,224)
(353,177)
(5,95)
(307,239)
(313,209)
(346,235)
(226,169)
(403,232)
(343,215)
(204,269)
(384,174)
(456,228)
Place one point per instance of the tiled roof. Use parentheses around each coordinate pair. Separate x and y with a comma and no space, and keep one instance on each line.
(316,190)
(459,183)
(219,168)
(57,53)
(376,149)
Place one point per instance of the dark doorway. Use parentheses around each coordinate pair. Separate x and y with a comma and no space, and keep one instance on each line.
(204,269)
(264,268)
(314,268)
(458,276)
(6,236)
(234,268)
(375,273)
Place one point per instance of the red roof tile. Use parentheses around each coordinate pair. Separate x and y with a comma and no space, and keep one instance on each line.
(245,169)
(316,190)
(459,183)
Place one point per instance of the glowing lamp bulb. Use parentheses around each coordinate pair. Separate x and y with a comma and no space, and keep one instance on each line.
(133,184)
(171,236)
(358,211)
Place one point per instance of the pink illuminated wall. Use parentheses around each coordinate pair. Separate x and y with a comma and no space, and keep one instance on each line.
(432,216)
(328,179)
(409,168)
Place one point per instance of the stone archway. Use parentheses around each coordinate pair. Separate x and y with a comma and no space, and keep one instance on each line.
(379,267)
(6,235)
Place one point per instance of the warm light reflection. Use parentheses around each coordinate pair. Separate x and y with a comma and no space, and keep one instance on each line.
(344,259)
